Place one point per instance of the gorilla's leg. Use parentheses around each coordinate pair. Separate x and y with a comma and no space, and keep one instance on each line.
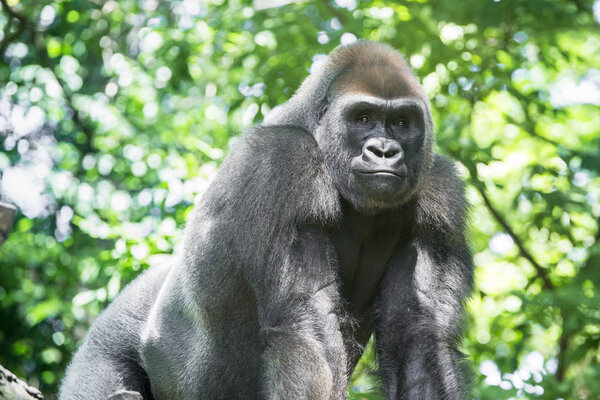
(419,321)
(109,361)
(107,377)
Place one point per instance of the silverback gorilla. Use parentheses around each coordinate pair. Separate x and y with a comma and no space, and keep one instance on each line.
(331,220)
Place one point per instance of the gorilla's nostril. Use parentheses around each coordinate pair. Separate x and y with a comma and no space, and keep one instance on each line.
(376,151)
(390,153)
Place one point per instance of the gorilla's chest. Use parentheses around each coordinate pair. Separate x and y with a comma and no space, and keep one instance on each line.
(364,246)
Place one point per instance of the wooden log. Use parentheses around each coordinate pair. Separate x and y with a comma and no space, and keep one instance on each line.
(7,216)
(12,388)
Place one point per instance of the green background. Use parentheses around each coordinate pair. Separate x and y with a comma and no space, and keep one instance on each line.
(114,115)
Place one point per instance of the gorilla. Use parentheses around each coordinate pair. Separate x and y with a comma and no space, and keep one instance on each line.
(331,220)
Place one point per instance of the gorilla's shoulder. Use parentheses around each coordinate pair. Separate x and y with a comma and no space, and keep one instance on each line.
(442,203)
(276,172)
(288,147)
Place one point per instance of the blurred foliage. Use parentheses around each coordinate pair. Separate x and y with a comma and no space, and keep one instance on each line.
(114,115)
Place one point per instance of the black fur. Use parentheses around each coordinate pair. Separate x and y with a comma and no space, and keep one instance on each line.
(293,258)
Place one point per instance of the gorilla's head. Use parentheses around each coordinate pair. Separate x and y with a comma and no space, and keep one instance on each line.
(371,120)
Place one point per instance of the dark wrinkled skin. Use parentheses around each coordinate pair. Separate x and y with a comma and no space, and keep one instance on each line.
(332,220)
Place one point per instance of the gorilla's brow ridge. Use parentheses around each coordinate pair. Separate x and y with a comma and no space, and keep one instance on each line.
(397,103)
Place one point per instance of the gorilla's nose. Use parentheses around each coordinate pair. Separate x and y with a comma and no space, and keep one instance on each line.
(382,151)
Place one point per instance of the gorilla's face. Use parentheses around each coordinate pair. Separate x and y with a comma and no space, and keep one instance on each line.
(373,148)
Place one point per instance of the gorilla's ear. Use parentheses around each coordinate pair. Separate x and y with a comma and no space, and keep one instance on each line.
(322,106)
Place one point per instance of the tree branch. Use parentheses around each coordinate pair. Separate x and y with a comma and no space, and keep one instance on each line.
(563,344)
(46,62)
(541,272)
(11,12)
(23,25)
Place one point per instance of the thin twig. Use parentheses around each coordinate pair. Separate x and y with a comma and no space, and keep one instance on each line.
(336,12)
(8,39)
(530,128)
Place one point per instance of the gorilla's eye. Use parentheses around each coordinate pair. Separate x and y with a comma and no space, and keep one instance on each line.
(401,122)
(364,119)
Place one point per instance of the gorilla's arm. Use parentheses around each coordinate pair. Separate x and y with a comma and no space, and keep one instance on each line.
(277,188)
(299,312)
(292,276)
(255,301)
(421,301)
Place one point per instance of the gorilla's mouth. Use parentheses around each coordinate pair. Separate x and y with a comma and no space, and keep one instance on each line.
(399,173)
